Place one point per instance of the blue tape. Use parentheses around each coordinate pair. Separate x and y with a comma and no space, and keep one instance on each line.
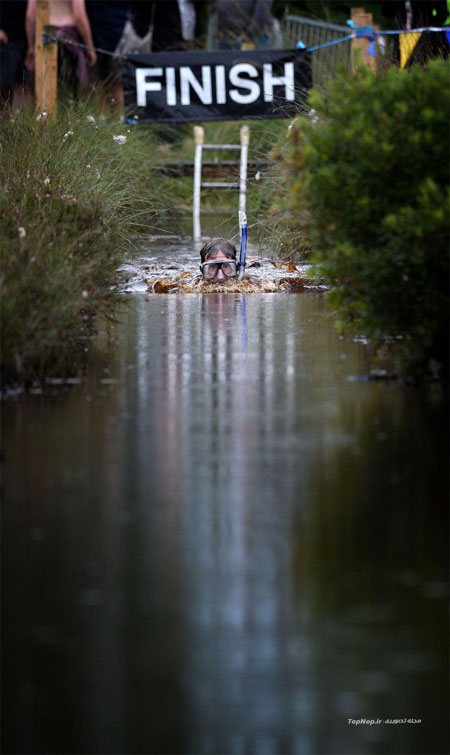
(329,44)
(371,49)
(412,31)
(364,31)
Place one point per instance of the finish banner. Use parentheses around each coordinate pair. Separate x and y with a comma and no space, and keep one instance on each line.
(223,85)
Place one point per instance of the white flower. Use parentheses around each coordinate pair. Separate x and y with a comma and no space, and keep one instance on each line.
(66,135)
(90,118)
(120,139)
(22,232)
(88,166)
(42,115)
(257,176)
(97,173)
(46,181)
(85,294)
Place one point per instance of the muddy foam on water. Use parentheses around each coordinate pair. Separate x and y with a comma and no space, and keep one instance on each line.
(180,274)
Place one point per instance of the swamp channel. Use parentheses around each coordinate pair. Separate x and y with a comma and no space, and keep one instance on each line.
(224,541)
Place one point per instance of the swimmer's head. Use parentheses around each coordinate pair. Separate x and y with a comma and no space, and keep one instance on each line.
(214,255)
(217,245)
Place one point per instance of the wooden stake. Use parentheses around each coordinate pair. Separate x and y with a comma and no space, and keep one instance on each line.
(50,66)
(361,18)
(41,21)
(45,63)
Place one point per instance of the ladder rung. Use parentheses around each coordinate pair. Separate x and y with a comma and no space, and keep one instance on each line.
(221,146)
(219,185)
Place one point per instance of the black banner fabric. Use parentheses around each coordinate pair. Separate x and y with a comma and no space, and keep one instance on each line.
(176,87)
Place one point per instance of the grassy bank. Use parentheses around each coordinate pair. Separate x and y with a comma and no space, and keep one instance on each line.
(73,194)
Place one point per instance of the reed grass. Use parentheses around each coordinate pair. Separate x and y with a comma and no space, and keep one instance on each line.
(72,198)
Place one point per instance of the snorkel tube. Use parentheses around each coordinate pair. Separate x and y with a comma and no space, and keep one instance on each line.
(243,252)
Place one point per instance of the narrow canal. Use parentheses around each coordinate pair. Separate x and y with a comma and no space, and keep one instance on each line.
(223,542)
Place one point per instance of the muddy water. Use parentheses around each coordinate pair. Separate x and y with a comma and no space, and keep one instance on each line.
(223,542)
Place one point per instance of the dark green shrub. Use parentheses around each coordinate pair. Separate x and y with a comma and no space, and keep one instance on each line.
(373,176)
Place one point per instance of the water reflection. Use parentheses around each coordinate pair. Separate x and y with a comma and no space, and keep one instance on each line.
(231,549)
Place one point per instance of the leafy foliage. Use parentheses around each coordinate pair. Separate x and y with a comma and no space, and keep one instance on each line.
(372,179)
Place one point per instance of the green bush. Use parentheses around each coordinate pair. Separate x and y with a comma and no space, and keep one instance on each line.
(372,178)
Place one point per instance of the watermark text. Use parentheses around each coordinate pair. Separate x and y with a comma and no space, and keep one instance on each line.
(379,721)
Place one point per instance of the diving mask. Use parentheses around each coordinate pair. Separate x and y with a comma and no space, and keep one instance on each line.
(210,268)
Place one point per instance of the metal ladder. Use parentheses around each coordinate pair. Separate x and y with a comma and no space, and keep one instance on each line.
(199,135)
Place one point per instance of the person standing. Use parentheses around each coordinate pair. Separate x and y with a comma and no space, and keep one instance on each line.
(107,19)
(244,24)
(13,47)
(173,24)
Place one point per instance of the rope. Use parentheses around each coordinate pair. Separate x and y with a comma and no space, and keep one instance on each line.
(47,38)
(366,31)
(329,44)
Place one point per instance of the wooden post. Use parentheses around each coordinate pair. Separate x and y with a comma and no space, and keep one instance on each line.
(45,63)
(50,68)
(41,21)
(361,18)
(199,135)
(245,138)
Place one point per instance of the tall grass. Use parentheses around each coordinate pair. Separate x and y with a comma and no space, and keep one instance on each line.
(71,198)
